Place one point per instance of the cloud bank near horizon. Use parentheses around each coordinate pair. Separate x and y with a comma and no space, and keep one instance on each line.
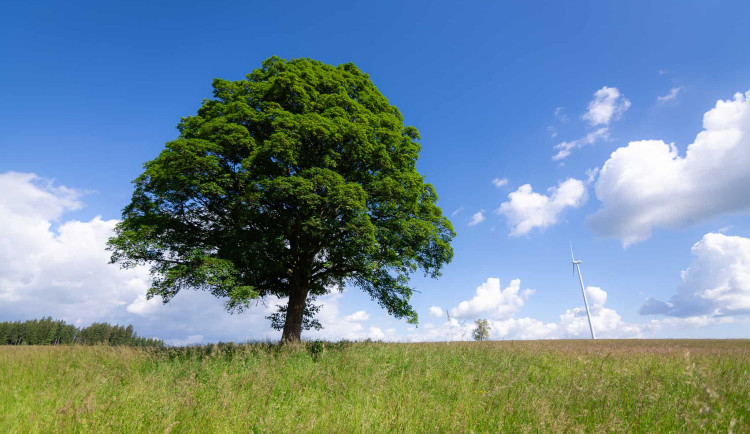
(55,267)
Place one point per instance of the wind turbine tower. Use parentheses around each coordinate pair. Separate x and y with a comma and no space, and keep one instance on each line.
(577,265)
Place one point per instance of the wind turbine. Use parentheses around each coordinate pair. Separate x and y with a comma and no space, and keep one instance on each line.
(577,265)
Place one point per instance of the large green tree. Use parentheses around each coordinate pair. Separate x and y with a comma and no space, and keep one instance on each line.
(293,182)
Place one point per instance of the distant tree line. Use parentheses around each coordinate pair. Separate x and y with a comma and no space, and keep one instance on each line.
(47,331)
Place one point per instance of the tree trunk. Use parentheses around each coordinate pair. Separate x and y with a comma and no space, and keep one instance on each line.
(295,311)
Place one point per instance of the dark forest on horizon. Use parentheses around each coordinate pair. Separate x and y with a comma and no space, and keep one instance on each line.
(47,331)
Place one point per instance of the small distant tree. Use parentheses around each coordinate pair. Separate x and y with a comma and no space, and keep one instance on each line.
(481,330)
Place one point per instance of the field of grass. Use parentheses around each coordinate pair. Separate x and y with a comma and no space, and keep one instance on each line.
(646,386)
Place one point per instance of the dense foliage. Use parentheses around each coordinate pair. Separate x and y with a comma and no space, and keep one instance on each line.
(481,330)
(47,331)
(294,182)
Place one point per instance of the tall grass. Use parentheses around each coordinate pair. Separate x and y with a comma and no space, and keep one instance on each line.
(374,387)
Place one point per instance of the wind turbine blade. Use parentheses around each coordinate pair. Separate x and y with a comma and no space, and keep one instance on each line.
(571,252)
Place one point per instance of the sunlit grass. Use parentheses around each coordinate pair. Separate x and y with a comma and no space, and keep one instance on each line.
(374,387)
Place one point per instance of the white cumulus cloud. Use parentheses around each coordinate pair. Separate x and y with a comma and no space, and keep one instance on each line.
(670,96)
(477,218)
(190,340)
(63,271)
(647,184)
(58,268)
(498,182)
(376,334)
(493,302)
(337,327)
(564,149)
(716,283)
(526,210)
(560,115)
(500,307)
(608,105)
(359,315)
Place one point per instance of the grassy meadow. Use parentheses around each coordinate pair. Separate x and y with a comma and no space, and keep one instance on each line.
(623,385)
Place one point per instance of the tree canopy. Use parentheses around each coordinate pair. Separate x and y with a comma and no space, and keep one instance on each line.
(481,330)
(291,183)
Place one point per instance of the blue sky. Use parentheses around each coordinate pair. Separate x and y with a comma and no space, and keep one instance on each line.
(89,92)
